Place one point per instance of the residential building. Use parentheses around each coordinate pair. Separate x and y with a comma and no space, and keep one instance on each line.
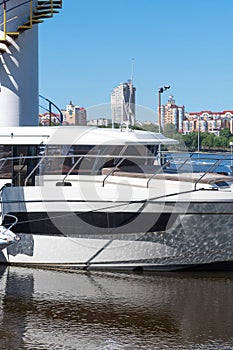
(74,115)
(172,114)
(208,121)
(99,122)
(46,119)
(123,103)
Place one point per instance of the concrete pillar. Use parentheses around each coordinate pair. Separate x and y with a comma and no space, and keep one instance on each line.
(19,71)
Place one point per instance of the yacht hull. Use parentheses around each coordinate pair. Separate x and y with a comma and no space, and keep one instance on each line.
(197,242)
(68,252)
(70,231)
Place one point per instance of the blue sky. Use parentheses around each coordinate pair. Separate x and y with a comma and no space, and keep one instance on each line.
(87,49)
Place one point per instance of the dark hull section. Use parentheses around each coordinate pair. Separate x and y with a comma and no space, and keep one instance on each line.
(215,266)
(66,223)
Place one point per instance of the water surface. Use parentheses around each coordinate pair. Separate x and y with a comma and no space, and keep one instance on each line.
(44,309)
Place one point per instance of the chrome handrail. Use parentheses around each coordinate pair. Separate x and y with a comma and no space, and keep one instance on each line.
(113,170)
(120,159)
(185,162)
(157,172)
(72,168)
(211,168)
(80,156)
(32,172)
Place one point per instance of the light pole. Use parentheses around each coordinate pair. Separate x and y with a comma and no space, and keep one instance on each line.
(198,135)
(231,145)
(160,91)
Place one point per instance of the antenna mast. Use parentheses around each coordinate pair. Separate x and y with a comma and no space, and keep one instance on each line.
(130,113)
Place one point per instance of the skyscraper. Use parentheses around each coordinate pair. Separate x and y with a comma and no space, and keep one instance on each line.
(123,104)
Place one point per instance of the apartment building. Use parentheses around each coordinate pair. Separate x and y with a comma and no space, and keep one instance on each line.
(208,121)
(172,114)
(74,115)
(123,103)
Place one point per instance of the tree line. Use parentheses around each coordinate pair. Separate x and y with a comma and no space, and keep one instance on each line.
(207,141)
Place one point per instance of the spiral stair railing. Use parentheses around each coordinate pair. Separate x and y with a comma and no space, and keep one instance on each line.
(49,109)
(37,13)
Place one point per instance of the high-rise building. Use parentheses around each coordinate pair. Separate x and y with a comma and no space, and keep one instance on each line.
(123,103)
(74,115)
(172,114)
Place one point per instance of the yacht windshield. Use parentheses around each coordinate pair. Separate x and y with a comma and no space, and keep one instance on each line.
(91,159)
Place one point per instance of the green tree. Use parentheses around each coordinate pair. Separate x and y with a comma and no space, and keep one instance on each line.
(221,142)
(151,127)
(187,138)
(170,130)
(230,139)
(207,140)
(224,141)
(225,132)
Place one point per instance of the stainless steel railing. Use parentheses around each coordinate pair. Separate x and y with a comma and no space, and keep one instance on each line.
(214,161)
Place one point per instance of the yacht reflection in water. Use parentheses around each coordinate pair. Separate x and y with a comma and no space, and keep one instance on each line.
(42,309)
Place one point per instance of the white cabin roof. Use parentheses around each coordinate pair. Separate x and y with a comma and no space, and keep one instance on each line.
(78,135)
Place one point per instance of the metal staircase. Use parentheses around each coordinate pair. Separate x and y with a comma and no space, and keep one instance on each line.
(38,11)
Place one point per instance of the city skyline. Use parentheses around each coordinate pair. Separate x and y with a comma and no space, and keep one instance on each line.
(183,122)
(176,42)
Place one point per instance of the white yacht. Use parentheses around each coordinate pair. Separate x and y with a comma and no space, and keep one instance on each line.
(94,198)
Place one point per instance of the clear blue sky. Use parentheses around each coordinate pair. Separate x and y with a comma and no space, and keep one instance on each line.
(87,49)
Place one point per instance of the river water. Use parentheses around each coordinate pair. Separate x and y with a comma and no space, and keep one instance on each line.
(201,162)
(48,309)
